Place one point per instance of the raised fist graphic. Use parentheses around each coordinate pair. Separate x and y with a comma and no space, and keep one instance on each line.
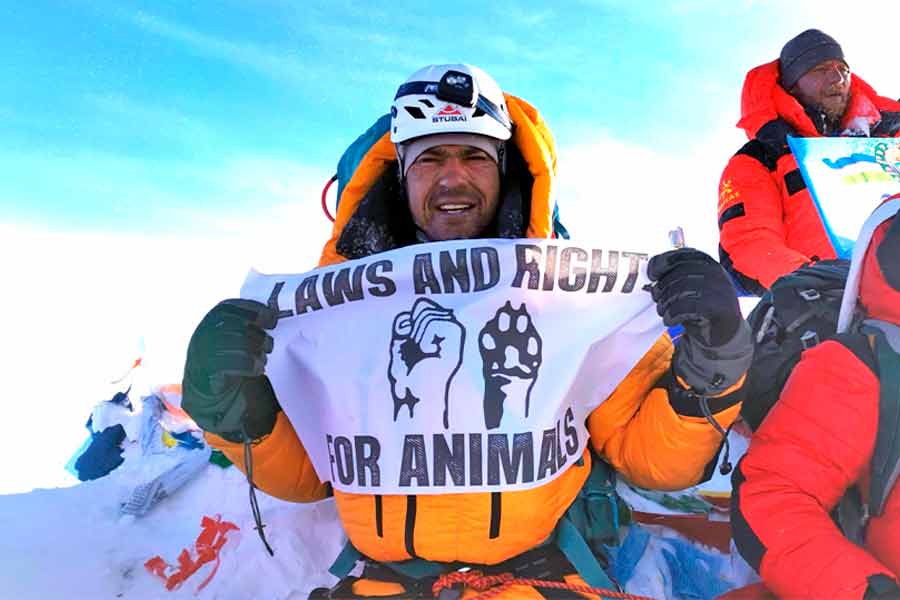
(426,352)
(511,354)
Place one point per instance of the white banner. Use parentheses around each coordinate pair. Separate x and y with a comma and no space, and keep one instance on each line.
(461,366)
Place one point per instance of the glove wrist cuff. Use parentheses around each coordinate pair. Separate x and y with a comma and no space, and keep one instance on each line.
(710,370)
(250,406)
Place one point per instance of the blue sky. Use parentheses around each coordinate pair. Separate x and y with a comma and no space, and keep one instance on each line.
(130,116)
(151,153)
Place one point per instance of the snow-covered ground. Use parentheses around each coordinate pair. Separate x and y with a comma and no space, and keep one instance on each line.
(73,542)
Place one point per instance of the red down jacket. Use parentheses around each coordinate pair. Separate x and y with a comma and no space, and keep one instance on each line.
(768,223)
(817,442)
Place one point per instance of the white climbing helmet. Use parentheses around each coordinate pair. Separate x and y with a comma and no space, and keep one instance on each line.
(449,99)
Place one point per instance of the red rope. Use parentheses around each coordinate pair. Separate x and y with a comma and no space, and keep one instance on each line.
(493,585)
(324,201)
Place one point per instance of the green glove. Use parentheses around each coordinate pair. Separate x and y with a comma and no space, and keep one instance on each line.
(224,389)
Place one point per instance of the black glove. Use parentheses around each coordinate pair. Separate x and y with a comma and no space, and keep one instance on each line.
(224,388)
(692,289)
(882,587)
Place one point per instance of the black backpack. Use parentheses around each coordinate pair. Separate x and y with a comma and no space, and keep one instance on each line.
(799,311)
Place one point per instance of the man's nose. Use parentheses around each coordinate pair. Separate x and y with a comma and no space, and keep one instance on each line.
(452,170)
(837,74)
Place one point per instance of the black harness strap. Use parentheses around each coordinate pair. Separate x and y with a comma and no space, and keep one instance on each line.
(886,457)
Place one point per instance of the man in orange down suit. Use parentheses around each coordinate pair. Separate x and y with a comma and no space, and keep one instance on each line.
(768,223)
(489,175)
(833,430)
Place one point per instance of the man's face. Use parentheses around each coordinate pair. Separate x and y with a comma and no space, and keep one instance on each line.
(826,87)
(453,191)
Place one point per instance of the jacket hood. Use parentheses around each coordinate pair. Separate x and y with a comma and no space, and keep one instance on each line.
(532,140)
(764,100)
(869,283)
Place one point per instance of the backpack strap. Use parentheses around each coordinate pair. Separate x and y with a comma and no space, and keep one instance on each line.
(886,457)
(573,545)
(592,521)
(853,511)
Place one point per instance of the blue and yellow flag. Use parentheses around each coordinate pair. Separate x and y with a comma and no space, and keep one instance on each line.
(847,178)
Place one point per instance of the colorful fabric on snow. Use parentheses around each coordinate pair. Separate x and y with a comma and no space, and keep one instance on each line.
(169,460)
(110,423)
(213,536)
(103,454)
(656,562)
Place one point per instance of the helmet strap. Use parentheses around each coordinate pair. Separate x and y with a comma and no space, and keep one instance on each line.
(400,171)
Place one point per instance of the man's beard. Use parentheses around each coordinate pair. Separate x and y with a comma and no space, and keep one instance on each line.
(835,115)
(827,122)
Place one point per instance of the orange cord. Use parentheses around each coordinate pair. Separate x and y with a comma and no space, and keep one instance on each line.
(493,585)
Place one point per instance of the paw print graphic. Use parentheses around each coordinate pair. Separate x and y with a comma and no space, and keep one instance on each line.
(510,349)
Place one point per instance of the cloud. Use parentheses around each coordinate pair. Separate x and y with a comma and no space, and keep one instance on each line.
(298,61)
(871,56)
(281,219)
(520,15)
(100,191)
(280,66)
(615,191)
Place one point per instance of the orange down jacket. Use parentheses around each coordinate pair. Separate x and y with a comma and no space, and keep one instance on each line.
(768,222)
(653,441)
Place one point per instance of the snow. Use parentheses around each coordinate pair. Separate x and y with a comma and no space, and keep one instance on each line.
(77,533)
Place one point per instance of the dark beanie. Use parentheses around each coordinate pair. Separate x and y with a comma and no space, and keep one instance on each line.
(804,52)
